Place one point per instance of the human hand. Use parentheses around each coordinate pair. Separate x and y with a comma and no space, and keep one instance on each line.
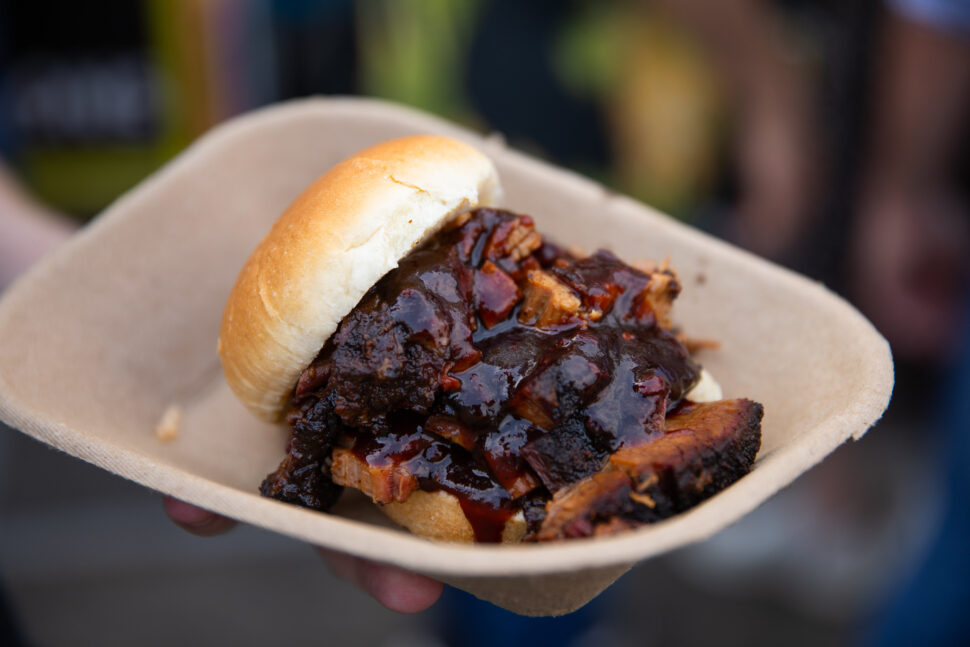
(395,588)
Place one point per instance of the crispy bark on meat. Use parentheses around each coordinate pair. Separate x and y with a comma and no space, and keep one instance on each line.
(563,455)
(577,510)
(705,448)
(304,475)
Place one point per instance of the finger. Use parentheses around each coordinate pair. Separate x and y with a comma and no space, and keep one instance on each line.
(194,519)
(342,565)
(397,589)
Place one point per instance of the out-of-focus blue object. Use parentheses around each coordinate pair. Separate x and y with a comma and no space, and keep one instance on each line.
(934,607)
(946,14)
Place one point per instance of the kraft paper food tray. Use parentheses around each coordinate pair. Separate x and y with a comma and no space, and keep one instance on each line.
(102,337)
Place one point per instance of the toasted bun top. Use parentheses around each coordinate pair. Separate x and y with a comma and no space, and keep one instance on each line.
(347,229)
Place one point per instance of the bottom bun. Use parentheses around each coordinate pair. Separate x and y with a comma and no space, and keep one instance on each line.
(438,515)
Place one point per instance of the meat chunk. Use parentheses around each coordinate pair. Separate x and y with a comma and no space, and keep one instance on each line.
(630,409)
(450,429)
(512,241)
(495,294)
(548,301)
(534,509)
(382,483)
(705,448)
(563,381)
(643,294)
(502,451)
(303,476)
(563,455)
(660,292)
(659,295)
(577,510)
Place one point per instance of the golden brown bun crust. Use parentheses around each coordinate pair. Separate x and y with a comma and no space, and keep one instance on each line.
(348,229)
(438,515)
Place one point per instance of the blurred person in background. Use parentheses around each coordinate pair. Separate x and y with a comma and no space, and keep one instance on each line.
(910,272)
(719,114)
(910,253)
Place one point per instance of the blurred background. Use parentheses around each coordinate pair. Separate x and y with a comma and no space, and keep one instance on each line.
(830,137)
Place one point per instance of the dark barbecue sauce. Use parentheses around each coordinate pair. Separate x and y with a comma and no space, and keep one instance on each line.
(491,365)
(439,464)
